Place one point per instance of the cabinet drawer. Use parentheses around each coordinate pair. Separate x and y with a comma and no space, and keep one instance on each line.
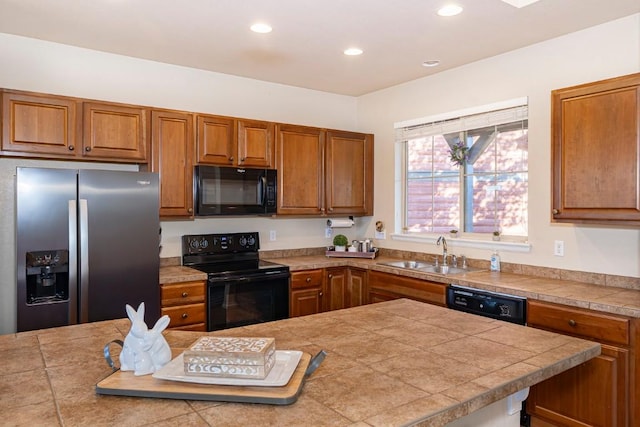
(307,278)
(182,293)
(185,314)
(581,322)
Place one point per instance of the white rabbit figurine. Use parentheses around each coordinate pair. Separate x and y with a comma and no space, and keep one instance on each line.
(144,351)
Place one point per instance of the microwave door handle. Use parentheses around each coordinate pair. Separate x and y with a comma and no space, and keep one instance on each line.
(262,194)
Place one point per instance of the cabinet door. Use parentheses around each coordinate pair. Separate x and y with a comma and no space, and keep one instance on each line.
(41,125)
(255,143)
(357,287)
(216,140)
(172,136)
(337,285)
(591,394)
(595,149)
(349,173)
(385,286)
(299,152)
(306,301)
(114,131)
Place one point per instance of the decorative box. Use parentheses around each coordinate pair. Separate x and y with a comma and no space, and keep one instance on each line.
(230,357)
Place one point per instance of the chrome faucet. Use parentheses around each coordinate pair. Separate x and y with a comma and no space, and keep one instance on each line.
(444,249)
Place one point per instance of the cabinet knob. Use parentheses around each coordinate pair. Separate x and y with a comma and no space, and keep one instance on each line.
(242,159)
(320,294)
(308,279)
(330,276)
(190,210)
(71,148)
(556,211)
(231,159)
(185,315)
(185,294)
(572,322)
(87,149)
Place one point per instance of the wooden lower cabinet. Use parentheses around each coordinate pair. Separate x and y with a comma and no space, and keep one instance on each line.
(318,290)
(600,392)
(385,287)
(306,292)
(184,303)
(345,287)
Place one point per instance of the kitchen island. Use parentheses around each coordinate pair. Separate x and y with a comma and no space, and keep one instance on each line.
(393,363)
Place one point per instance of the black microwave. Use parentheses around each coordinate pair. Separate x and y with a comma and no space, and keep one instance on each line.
(221,190)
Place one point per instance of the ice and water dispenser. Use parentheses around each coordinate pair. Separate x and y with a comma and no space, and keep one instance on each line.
(47,276)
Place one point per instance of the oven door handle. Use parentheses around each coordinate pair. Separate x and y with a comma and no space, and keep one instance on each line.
(216,281)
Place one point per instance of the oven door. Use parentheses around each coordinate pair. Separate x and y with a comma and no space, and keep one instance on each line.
(245,300)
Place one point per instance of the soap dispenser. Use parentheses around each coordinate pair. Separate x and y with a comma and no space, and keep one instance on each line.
(495,261)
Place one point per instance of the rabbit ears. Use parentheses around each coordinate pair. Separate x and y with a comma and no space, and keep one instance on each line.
(136,315)
(161,324)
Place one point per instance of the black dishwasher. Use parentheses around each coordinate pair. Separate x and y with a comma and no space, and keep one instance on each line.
(510,308)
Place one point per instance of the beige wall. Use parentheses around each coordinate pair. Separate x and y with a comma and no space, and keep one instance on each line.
(600,52)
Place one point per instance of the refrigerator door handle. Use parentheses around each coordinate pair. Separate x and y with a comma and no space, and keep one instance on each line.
(84,261)
(73,262)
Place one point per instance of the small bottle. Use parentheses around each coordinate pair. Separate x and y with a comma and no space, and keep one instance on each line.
(495,261)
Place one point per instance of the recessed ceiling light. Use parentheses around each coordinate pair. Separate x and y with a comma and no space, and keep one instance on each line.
(261,28)
(353,51)
(431,63)
(519,3)
(450,10)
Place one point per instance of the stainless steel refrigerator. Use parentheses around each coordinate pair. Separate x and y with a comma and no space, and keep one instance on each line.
(87,245)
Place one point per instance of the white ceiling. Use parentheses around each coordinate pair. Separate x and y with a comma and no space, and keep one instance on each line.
(305,47)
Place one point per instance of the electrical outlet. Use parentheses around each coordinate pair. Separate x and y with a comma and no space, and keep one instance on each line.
(328,232)
(272,235)
(558,247)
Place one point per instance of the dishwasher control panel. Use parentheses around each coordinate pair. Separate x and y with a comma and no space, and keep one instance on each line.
(510,308)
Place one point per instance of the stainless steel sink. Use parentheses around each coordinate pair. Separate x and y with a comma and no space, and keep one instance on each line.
(407,264)
(428,268)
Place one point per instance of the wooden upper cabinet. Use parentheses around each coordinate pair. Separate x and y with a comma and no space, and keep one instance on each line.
(299,161)
(115,131)
(255,143)
(172,149)
(349,173)
(225,141)
(215,140)
(40,125)
(596,152)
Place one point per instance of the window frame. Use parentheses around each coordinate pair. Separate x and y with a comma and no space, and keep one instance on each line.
(483,240)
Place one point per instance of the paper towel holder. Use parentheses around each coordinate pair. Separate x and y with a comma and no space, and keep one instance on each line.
(341,223)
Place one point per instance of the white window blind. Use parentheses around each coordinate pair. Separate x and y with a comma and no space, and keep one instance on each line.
(440,126)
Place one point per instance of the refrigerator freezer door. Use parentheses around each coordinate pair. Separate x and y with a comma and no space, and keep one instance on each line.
(119,245)
(42,226)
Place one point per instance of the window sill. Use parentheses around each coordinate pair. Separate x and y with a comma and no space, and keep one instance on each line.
(465,242)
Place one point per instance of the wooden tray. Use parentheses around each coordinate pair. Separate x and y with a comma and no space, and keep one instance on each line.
(347,254)
(127,384)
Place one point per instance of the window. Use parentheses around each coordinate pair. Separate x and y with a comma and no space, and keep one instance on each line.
(486,192)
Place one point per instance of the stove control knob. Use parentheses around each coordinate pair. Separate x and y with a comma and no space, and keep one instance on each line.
(243,241)
(194,244)
(252,240)
(204,243)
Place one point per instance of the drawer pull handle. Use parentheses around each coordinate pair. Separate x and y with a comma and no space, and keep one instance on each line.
(185,294)
(572,322)
(308,279)
(185,315)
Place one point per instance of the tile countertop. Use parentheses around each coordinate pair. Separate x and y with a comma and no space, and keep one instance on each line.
(607,299)
(399,362)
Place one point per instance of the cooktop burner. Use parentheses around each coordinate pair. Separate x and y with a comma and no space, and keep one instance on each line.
(226,254)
